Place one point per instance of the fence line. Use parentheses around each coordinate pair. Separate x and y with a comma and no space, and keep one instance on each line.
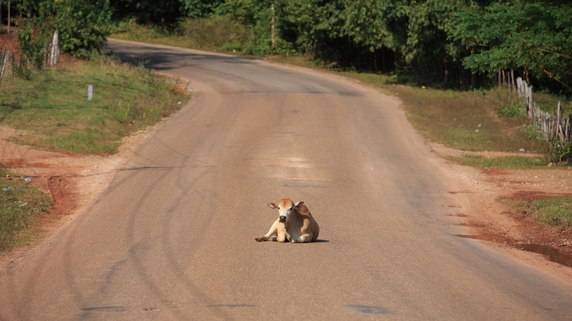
(51,52)
(552,126)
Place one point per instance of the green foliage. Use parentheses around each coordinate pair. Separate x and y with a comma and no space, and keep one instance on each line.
(82,24)
(534,133)
(22,72)
(214,33)
(31,48)
(554,211)
(203,8)
(164,12)
(560,151)
(514,110)
(535,37)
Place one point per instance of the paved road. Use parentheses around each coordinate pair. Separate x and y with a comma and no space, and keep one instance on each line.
(172,238)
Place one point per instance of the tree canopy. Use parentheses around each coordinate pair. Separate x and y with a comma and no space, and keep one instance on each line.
(458,43)
(533,36)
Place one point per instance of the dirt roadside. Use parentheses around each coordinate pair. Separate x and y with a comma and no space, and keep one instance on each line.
(487,220)
(73,182)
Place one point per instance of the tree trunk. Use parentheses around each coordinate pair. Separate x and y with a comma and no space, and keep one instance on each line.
(446,71)
(461,74)
(8,16)
(383,59)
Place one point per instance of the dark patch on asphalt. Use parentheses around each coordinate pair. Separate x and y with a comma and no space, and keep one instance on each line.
(106,309)
(231,306)
(367,309)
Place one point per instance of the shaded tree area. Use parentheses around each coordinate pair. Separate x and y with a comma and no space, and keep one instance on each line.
(441,43)
(82,24)
(533,37)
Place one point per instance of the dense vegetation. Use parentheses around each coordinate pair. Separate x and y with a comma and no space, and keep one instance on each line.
(455,43)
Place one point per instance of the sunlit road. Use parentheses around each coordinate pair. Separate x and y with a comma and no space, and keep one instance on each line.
(172,238)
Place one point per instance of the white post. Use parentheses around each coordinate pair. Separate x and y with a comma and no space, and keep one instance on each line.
(557,118)
(2,60)
(55,48)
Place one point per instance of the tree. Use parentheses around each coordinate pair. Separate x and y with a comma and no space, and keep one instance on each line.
(533,36)
(82,25)
(148,11)
(203,8)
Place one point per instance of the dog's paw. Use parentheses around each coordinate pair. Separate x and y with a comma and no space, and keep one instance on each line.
(259,239)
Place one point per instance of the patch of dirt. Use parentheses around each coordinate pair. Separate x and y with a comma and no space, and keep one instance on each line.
(9,39)
(72,181)
(478,191)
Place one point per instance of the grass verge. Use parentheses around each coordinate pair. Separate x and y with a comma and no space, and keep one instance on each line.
(511,162)
(554,212)
(21,206)
(53,107)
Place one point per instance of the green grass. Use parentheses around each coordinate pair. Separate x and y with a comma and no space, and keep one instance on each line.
(467,120)
(21,205)
(512,162)
(54,109)
(555,211)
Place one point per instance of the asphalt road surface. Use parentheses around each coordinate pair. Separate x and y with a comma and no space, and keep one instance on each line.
(172,238)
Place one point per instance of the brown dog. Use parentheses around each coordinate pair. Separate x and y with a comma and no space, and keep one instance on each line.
(295,223)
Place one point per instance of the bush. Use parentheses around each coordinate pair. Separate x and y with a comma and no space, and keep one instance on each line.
(511,111)
(215,33)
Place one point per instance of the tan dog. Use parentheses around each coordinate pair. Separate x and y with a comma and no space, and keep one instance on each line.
(295,223)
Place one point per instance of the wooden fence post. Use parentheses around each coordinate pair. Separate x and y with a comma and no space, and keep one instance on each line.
(557,117)
(2,61)
(55,47)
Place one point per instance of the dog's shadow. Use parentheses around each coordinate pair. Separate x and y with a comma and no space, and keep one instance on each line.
(320,241)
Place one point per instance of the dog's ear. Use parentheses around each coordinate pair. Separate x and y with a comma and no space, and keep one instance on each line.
(299,204)
(272,205)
